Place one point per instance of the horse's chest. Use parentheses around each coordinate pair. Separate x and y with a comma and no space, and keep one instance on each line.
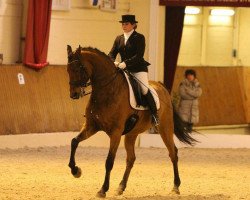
(104,118)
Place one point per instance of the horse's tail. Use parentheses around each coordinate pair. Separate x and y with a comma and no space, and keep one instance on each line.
(182,131)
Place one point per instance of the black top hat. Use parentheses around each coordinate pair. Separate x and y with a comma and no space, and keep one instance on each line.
(128,18)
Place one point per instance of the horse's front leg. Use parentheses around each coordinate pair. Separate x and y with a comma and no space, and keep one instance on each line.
(84,134)
(130,149)
(114,143)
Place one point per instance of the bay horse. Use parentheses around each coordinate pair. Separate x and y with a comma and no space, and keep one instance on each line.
(109,108)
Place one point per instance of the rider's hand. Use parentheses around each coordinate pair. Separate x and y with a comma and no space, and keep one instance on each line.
(116,63)
(122,65)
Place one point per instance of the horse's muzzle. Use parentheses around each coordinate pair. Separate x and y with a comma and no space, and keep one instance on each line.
(75,95)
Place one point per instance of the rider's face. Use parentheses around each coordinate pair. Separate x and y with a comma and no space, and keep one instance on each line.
(127,27)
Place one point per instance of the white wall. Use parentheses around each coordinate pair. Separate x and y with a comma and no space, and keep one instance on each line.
(161,43)
(191,48)
(210,137)
(219,41)
(244,35)
(207,40)
(92,27)
(10,29)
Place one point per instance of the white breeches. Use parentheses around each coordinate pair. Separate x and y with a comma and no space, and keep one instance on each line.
(143,81)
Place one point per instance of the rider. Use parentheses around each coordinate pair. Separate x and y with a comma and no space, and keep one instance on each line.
(131,46)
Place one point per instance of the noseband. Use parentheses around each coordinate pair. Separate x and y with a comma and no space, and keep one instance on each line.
(80,83)
(83,71)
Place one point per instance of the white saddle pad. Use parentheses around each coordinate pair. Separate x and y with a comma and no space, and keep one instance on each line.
(133,100)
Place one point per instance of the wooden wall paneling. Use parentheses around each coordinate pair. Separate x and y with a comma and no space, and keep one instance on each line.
(41,105)
(247,92)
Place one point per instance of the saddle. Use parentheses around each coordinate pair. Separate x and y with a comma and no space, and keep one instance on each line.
(136,98)
(137,101)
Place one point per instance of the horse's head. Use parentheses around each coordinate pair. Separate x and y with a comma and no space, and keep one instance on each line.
(78,72)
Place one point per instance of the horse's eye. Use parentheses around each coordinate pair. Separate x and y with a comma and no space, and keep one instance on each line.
(76,70)
(70,57)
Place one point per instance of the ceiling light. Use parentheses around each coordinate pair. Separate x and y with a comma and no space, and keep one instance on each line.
(192,10)
(222,12)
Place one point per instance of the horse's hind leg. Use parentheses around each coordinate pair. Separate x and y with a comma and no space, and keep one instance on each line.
(130,148)
(114,143)
(167,137)
(83,135)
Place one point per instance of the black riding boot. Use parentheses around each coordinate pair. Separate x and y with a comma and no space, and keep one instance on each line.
(152,108)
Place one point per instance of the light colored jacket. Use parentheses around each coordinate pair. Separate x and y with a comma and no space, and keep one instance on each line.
(188,107)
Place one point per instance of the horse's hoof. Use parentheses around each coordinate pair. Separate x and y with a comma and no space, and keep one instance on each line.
(175,190)
(119,192)
(101,194)
(76,172)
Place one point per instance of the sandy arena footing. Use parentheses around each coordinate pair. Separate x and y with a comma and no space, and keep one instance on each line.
(206,174)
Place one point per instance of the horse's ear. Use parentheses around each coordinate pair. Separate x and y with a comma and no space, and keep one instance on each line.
(79,49)
(69,49)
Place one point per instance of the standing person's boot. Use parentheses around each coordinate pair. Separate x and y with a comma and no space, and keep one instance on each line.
(152,108)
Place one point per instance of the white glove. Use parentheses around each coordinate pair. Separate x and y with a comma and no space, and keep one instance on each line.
(116,63)
(122,65)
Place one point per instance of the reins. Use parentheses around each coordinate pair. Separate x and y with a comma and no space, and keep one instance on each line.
(80,83)
(109,82)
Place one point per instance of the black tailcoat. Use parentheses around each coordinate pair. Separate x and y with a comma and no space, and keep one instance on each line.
(132,53)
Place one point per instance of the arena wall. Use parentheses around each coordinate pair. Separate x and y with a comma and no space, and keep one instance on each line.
(247,92)
(42,104)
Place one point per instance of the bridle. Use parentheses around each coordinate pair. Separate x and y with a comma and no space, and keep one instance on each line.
(80,83)
(83,72)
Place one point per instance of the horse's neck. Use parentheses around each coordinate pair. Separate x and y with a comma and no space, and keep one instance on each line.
(102,69)
(105,80)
